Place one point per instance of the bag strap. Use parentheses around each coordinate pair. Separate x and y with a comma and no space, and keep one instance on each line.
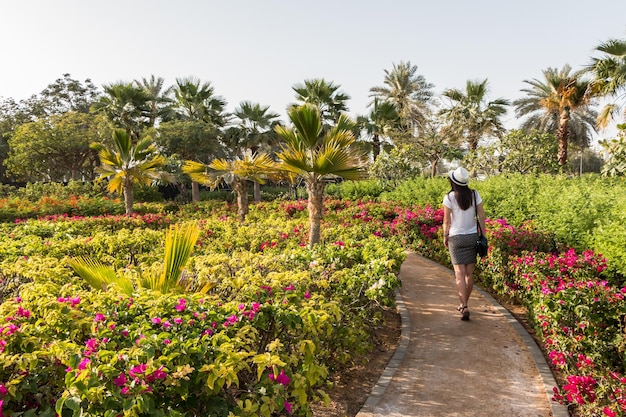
(480,232)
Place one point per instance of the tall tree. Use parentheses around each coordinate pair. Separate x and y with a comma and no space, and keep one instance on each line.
(325,96)
(469,116)
(126,105)
(188,139)
(379,125)
(158,102)
(195,101)
(257,123)
(609,78)
(317,154)
(56,148)
(409,92)
(64,95)
(558,104)
(127,164)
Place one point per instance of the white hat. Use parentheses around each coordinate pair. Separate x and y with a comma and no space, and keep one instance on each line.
(459,176)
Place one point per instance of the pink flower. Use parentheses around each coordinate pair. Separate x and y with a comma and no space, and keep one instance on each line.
(100,317)
(608,412)
(281,378)
(137,370)
(156,320)
(23,312)
(287,406)
(3,390)
(157,374)
(120,380)
(178,320)
(84,363)
(167,341)
(307,294)
(182,303)
(125,390)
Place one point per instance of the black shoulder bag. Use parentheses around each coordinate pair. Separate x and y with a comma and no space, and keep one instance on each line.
(482,245)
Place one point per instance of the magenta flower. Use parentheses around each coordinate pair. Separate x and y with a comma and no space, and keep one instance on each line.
(120,380)
(167,341)
(157,374)
(281,378)
(3,390)
(137,370)
(182,303)
(23,312)
(84,363)
(178,320)
(100,317)
(287,406)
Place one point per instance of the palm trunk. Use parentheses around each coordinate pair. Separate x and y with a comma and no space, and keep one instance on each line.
(563,135)
(376,146)
(242,199)
(128,197)
(195,191)
(257,192)
(315,188)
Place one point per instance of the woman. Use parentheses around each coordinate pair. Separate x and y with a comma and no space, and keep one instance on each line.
(460,232)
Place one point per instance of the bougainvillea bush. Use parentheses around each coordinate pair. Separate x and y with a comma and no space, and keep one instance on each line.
(278,320)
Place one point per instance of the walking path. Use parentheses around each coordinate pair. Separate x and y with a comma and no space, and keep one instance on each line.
(488,366)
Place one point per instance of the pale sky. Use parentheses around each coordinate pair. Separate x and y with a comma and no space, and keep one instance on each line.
(257,50)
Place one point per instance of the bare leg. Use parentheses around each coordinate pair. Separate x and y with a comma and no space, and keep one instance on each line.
(464,281)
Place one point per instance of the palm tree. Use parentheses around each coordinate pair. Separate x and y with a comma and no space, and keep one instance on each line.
(128,164)
(470,117)
(609,77)
(179,242)
(380,123)
(194,100)
(158,100)
(408,91)
(325,95)
(256,123)
(126,105)
(317,155)
(235,173)
(558,104)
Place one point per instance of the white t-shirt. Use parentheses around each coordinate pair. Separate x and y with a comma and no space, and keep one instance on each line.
(462,222)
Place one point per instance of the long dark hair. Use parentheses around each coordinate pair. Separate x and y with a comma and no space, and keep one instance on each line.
(462,194)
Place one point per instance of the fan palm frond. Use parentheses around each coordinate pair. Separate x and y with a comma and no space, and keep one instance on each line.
(100,276)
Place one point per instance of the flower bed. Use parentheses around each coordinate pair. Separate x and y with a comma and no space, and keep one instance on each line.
(279,318)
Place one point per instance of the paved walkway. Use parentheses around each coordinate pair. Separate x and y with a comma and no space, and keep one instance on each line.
(445,367)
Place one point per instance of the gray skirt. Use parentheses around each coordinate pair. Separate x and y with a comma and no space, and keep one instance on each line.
(463,249)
